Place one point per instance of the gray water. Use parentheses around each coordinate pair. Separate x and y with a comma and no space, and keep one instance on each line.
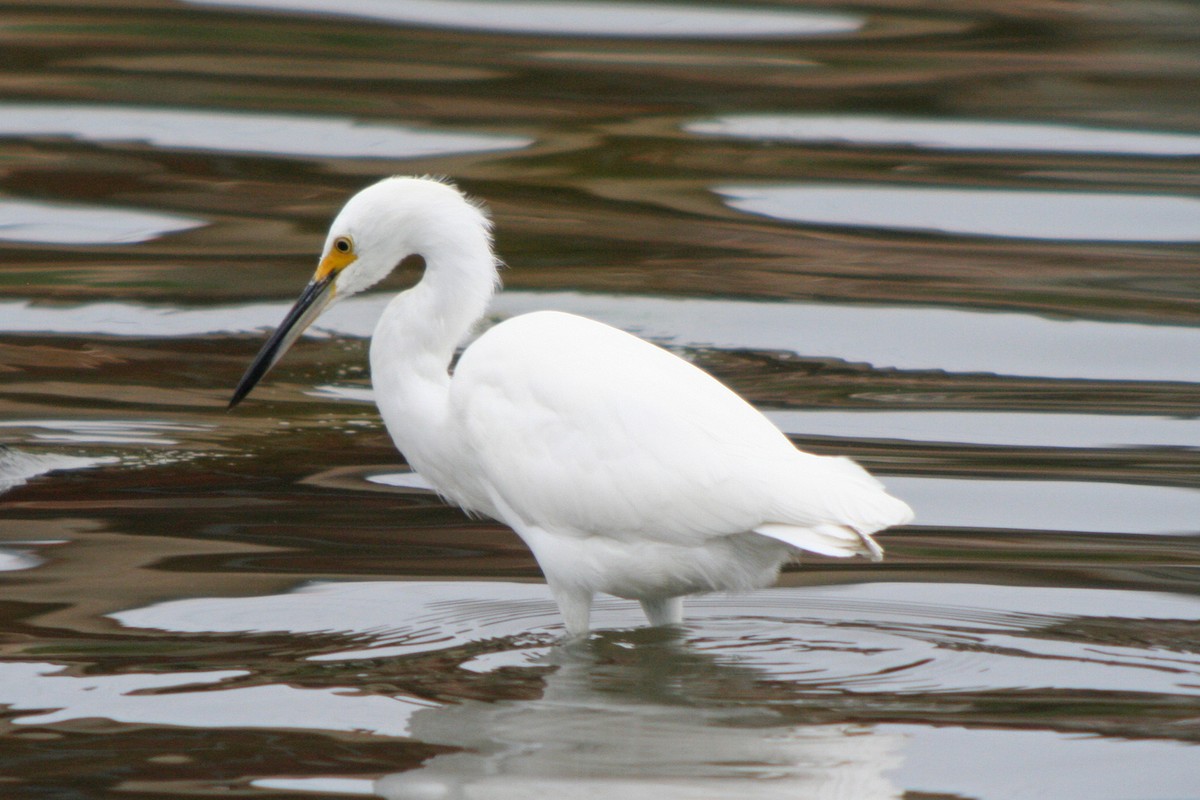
(955,242)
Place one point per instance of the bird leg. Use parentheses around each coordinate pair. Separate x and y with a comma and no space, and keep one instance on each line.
(575,607)
(663,610)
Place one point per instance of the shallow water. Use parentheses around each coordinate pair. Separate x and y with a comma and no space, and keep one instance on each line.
(958,244)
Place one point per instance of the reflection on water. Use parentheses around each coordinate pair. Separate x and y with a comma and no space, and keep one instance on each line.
(937,134)
(18,467)
(1061,216)
(611,721)
(1011,429)
(1054,505)
(880,637)
(613,712)
(591,18)
(139,698)
(885,337)
(277,134)
(957,245)
(103,431)
(54,223)
(12,560)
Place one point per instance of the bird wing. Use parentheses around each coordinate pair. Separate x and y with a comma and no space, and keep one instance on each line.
(581,428)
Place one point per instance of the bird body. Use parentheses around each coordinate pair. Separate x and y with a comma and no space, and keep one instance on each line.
(625,469)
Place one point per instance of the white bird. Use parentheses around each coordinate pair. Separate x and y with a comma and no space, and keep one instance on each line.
(625,469)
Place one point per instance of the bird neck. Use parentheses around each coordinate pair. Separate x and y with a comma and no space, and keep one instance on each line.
(415,340)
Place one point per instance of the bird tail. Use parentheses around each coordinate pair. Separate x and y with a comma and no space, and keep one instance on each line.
(827,539)
(837,516)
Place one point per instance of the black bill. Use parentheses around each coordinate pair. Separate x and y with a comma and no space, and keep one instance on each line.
(312,302)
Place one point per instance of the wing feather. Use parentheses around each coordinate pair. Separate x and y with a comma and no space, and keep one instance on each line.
(588,430)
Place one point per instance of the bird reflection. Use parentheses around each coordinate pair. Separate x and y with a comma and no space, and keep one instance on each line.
(640,714)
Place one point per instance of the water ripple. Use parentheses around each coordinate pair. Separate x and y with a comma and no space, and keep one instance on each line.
(52,696)
(103,431)
(240,132)
(591,19)
(1005,213)
(18,467)
(58,223)
(874,637)
(947,134)
(895,337)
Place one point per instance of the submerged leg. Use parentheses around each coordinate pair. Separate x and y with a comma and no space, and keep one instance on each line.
(664,610)
(575,607)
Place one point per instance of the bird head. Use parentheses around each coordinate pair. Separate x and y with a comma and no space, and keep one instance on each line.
(377,229)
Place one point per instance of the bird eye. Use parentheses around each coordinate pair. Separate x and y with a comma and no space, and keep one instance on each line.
(342,244)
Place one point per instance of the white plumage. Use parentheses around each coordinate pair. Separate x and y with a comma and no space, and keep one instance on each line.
(625,469)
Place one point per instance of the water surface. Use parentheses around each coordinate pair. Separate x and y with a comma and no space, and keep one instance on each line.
(958,245)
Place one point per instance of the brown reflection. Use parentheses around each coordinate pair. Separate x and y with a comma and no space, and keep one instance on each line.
(107,572)
(17,357)
(274,67)
(90,759)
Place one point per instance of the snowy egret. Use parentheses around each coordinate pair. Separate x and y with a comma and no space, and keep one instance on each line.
(625,469)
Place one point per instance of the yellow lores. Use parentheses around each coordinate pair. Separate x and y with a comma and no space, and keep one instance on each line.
(341,255)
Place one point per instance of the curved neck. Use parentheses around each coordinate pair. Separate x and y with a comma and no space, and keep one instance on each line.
(417,335)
